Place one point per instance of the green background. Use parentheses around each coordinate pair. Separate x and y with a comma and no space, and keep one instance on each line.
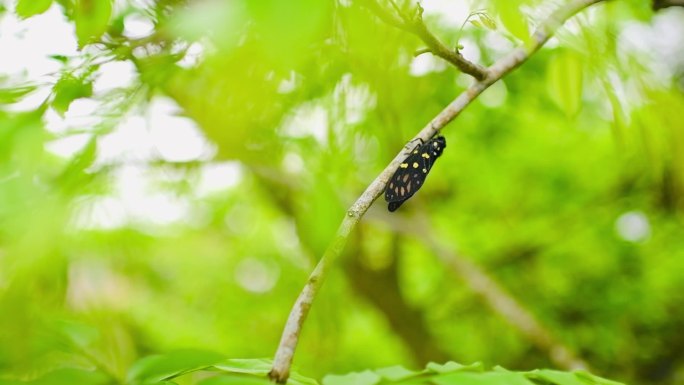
(564,182)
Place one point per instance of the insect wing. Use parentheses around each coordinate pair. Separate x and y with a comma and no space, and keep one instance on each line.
(408,178)
(411,174)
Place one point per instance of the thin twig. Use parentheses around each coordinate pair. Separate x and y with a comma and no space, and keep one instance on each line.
(421,51)
(385,16)
(451,55)
(397,9)
(288,342)
(416,26)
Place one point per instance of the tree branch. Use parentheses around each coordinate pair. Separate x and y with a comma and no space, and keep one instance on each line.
(288,342)
(379,288)
(498,299)
(510,309)
(421,51)
(416,26)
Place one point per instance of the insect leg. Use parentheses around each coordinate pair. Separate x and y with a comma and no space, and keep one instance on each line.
(410,146)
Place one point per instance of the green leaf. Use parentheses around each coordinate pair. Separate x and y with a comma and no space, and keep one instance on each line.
(452,366)
(298,379)
(592,379)
(28,8)
(91,18)
(74,178)
(356,378)
(513,19)
(162,367)
(555,377)
(242,371)
(565,76)
(14,94)
(235,380)
(116,27)
(71,376)
(489,378)
(245,365)
(259,367)
(475,23)
(568,378)
(60,58)
(395,373)
(84,158)
(487,21)
(79,334)
(68,89)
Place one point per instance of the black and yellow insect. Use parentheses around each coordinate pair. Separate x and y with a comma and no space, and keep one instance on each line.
(411,173)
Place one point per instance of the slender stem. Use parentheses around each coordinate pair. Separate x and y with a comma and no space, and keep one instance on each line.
(421,51)
(452,56)
(397,9)
(288,342)
(470,16)
(416,26)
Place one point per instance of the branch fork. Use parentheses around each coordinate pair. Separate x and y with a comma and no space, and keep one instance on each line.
(415,25)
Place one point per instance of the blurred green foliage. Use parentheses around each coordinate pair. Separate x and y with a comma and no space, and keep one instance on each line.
(564,182)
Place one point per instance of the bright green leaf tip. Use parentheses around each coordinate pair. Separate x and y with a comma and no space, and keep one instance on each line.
(28,8)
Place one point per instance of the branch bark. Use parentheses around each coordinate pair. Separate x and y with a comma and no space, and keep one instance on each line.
(379,288)
(288,342)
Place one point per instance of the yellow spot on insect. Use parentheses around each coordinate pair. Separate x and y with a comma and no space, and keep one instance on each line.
(402,191)
(435,144)
(404,165)
(408,187)
(396,190)
(415,151)
(392,185)
(424,170)
(405,178)
(415,164)
(426,155)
